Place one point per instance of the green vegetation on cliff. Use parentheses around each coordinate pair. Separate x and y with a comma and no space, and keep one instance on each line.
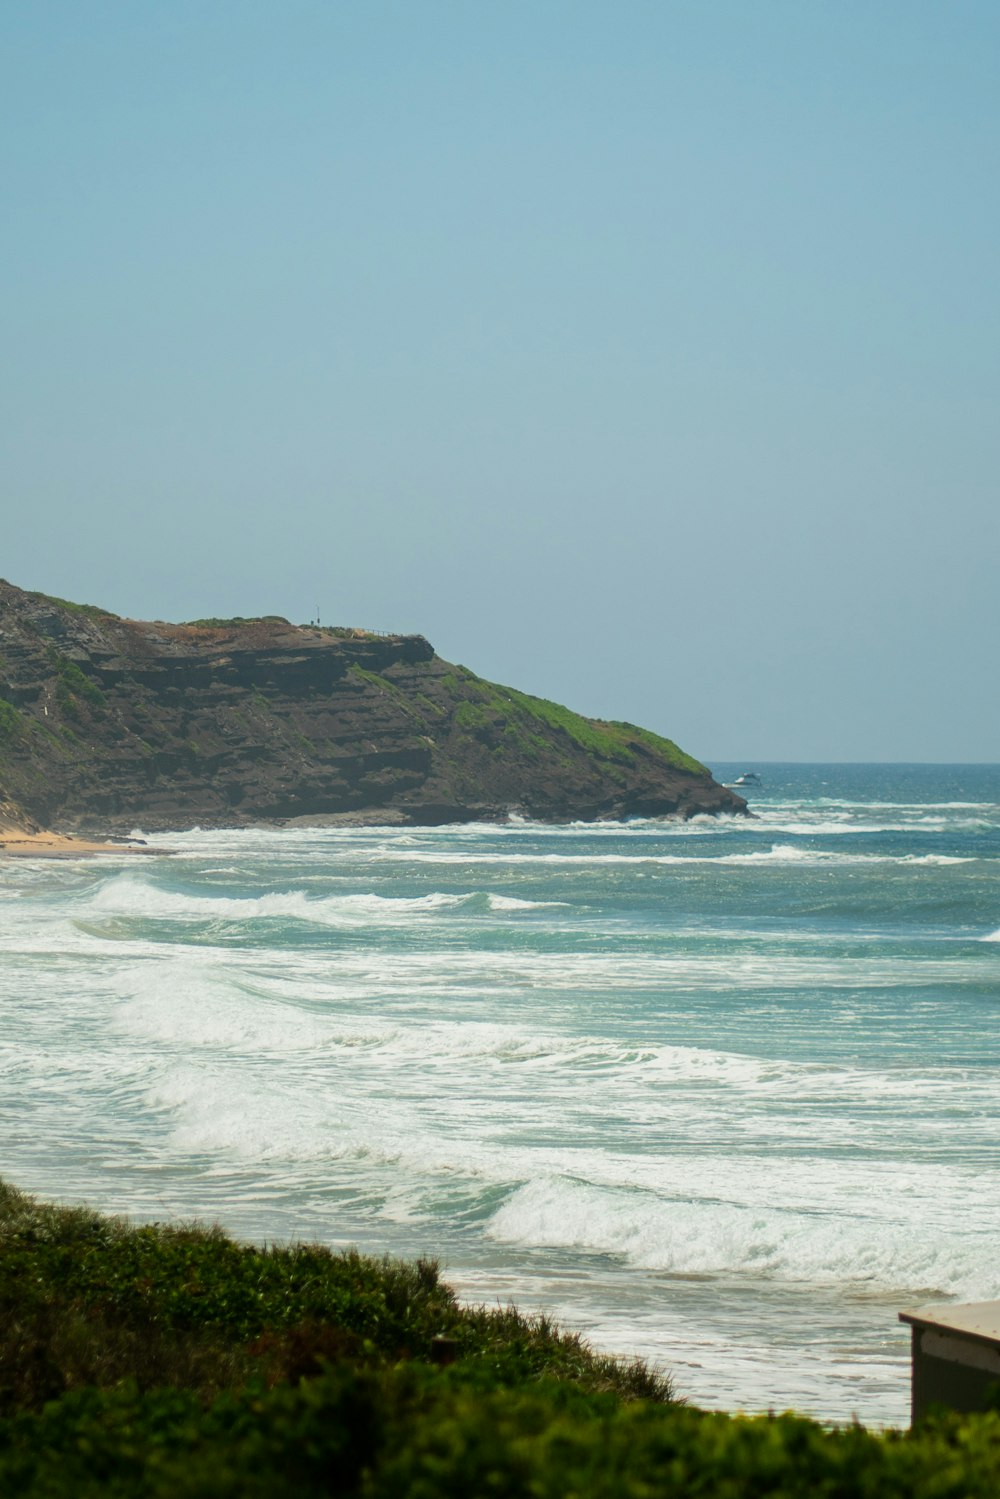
(298,722)
(173,1363)
(11,723)
(606,740)
(234,621)
(93,610)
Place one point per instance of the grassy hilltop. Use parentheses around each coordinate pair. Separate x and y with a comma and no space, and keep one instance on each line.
(170,1361)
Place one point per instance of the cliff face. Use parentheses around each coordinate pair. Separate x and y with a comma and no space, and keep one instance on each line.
(106,723)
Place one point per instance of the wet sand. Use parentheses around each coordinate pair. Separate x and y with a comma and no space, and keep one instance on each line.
(45,845)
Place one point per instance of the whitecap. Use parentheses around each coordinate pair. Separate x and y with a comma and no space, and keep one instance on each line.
(131,897)
(513,903)
(653,1232)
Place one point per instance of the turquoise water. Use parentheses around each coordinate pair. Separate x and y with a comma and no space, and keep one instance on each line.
(725,1093)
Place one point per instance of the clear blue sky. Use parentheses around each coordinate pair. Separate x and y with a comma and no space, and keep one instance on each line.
(644,355)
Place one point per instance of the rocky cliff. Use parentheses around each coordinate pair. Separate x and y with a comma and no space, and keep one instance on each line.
(109,723)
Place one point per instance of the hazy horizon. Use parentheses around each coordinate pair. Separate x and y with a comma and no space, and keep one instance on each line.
(642,357)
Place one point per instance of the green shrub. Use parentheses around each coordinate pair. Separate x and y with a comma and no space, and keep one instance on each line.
(87,1299)
(172,1363)
(73,684)
(234,621)
(418,1432)
(11,725)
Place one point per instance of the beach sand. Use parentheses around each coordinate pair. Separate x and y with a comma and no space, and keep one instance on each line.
(46,845)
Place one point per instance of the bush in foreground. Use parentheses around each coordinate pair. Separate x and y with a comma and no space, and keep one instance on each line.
(89,1300)
(172,1362)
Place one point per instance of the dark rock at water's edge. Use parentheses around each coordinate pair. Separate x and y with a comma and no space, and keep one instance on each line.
(106,723)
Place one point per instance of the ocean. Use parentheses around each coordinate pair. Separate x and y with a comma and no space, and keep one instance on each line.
(724,1093)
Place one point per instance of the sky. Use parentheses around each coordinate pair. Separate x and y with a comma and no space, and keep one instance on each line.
(641,354)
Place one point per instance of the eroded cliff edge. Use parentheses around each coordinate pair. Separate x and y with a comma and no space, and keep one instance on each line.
(109,723)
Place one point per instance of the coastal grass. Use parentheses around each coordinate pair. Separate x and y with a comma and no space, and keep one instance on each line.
(670,751)
(92,611)
(609,741)
(169,1360)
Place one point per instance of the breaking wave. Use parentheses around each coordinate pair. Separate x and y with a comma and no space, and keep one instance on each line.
(131,897)
(654,1233)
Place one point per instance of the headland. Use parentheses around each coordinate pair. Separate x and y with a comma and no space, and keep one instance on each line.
(108,723)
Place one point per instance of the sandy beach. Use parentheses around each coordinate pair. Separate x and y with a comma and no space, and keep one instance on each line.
(46,845)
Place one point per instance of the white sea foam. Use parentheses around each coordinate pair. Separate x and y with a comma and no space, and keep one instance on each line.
(471,974)
(131,897)
(720,1238)
(778,853)
(185,1005)
(513,903)
(766,1075)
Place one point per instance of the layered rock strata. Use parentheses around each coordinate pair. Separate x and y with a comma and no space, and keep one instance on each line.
(109,723)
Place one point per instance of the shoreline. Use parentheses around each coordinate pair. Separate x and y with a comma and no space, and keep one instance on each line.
(20,844)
